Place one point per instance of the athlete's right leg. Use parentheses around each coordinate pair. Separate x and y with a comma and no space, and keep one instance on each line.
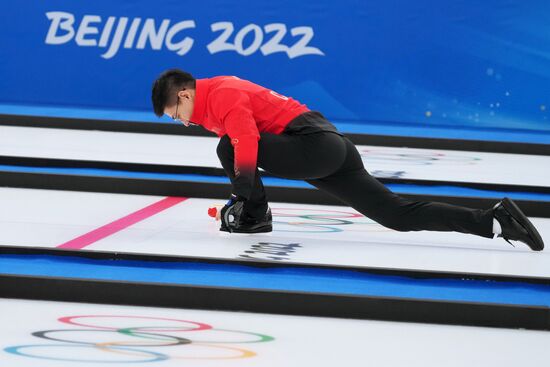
(357,188)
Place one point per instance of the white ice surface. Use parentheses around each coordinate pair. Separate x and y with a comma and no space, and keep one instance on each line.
(407,163)
(302,233)
(298,341)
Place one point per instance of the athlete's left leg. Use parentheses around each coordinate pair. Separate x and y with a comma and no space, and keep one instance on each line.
(357,188)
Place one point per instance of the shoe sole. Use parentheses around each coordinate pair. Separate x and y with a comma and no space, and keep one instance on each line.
(518,215)
(264,229)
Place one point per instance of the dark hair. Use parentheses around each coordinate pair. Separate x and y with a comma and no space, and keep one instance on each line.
(166,87)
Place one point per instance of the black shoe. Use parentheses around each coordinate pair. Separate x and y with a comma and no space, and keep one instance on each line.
(516,226)
(252,226)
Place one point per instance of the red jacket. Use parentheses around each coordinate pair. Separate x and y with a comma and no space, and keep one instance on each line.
(242,110)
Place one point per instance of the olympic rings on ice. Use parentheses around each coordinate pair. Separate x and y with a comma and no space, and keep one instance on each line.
(121,343)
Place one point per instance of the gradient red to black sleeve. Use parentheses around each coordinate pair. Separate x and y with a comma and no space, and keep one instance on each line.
(235,113)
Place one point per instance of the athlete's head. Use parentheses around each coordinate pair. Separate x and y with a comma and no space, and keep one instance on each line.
(173,94)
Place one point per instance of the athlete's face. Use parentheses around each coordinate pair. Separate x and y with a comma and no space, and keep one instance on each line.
(183,109)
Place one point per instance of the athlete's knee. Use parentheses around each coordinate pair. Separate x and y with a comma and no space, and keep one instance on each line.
(224,148)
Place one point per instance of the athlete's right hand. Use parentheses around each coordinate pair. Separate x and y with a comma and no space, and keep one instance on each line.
(231,213)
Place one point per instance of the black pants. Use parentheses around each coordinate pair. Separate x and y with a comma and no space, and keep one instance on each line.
(332,163)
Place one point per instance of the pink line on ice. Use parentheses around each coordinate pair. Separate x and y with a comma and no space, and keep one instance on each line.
(121,224)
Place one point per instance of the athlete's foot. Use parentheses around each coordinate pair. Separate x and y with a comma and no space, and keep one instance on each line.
(516,226)
(251,226)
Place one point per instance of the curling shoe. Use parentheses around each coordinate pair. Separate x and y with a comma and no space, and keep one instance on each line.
(247,225)
(516,226)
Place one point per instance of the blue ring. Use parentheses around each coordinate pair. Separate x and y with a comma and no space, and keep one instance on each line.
(16,350)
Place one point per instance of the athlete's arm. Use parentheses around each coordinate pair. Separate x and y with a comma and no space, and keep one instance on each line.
(234,110)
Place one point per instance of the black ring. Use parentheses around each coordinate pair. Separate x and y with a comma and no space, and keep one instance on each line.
(177,340)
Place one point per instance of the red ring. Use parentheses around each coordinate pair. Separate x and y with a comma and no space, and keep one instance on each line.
(69,320)
(328,211)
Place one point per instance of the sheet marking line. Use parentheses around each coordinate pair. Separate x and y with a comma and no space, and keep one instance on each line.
(120,224)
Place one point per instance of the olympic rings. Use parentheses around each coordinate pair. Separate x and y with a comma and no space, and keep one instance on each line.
(321,221)
(127,347)
(416,157)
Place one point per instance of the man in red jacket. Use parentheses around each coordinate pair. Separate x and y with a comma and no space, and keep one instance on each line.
(261,128)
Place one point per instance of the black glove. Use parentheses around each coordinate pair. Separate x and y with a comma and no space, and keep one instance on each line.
(231,213)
